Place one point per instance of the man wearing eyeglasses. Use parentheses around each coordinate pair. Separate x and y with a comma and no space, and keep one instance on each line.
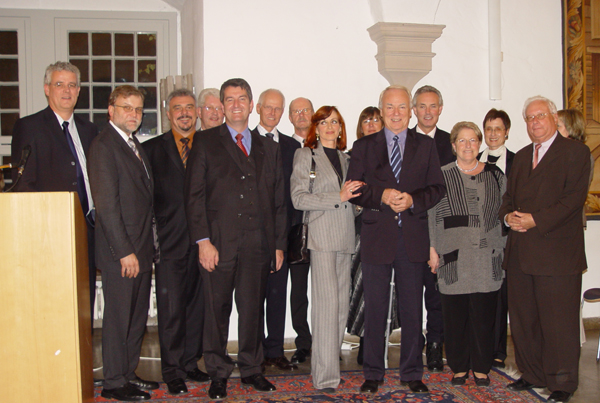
(270,109)
(126,242)
(427,105)
(300,114)
(179,295)
(545,252)
(210,109)
(59,142)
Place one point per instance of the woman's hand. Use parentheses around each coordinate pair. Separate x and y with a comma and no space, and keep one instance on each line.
(349,190)
(434,260)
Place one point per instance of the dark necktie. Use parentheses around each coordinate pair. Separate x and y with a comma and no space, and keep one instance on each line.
(536,155)
(270,135)
(83,198)
(239,143)
(185,150)
(396,159)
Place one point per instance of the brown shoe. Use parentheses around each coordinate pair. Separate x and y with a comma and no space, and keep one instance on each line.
(280,362)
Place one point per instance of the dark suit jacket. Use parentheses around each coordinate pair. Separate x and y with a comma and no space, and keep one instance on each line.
(288,147)
(554,193)
(421,177)
(443,146)
(169,206)
(122,192)
(214,175)
(50,167)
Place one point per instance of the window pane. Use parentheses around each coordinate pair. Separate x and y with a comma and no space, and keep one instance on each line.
(101,71)
(146,44)
(124,44)
(8,121)
(100,96)
(9,70)
(83,66)
(149,123)
(9,97)
(147,71)
(101,45)
(78,44)
(83,115)
(124,72)
(83,102)
(8,43)
(149,97)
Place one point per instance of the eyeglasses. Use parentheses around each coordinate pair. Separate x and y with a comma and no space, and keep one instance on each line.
(179,108)
(270,109)
(372,120)
(60,84)
(130,109)
(211,109)
(539,116)
(470,141)
(299,111)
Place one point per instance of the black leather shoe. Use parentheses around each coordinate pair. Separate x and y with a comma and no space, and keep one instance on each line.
(435,359)
(560,396)
(460,380)
(327,390)
(300,356)
(416,386)
(98,382)
(498,363)
(370,386)
(198,376)
(177,387)
(482,381)
(258,382)
(218,389)
(520,385)
(280,362)
(126,393)
(144,385)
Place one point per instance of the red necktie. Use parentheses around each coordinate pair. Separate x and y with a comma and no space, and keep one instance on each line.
(536,155)
(239,143)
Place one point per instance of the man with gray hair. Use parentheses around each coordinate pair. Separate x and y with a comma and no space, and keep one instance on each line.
(210,108)
(59,143)
(179,296)
(545,252)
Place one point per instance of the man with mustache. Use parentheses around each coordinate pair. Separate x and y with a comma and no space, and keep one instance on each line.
(178,283)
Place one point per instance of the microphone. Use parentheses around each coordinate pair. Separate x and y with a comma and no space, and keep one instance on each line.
(21,167)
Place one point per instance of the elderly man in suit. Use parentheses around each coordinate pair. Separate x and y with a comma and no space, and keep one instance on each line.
(179,295)
(270,107)
(210,109)
(545,252)
(403,180)
(236,213)
(60,143)
(126,242)
(427,105)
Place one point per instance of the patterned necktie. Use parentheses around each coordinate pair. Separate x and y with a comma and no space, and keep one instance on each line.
(270,135)
(239,143)
(81,191)
(185,150)
(131,145)
(396,159)
(536,155)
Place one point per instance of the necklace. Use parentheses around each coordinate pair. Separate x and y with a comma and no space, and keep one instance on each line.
(468,170)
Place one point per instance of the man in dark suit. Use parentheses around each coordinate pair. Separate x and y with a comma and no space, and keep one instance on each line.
(270,107)
(403,180)
(179,296)
(59,142)
(126,242)
(235,205)
(427,105)
(545,252)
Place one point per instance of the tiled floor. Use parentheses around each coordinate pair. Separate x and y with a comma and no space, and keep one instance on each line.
(149,368)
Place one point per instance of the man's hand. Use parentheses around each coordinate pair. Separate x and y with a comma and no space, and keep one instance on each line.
(398,201)
(520,222)
(389,195)
(434,260)
(208,255)
(130,267)
(278,259)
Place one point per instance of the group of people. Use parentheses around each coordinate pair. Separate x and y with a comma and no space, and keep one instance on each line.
(475,234)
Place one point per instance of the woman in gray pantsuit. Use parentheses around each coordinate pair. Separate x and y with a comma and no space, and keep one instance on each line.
(330,237)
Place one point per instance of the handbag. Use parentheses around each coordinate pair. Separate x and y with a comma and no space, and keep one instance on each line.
(298,238)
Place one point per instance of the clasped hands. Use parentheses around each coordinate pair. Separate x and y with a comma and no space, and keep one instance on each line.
(519,221)
(397,200)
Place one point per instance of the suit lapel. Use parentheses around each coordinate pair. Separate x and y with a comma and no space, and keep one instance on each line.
(230,146)
(133,161)
(552,153)
(172,151)
(55,129)
(324,166)
(257,153)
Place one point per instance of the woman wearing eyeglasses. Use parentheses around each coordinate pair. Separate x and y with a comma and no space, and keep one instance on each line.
(330,237)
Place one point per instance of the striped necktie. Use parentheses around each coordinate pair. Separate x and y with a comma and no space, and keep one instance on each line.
(536,155)
(185,150)
(396,159)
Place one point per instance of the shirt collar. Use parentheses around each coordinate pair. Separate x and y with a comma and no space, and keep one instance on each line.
(389,136)
(124,135)
(263,132)
(430,134)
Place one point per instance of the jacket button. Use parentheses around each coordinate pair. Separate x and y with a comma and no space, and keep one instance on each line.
(337,206)
(241,196)
(243,177)
(73,163)
(74,183)
(396,217)
(239,216)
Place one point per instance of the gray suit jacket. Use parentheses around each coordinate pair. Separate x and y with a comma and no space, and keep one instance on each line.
(331,222)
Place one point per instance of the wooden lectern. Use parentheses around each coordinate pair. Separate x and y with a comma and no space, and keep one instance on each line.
(45,324)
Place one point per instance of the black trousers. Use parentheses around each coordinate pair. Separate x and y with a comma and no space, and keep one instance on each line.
(501,325)
(126,302)
(409,293)
(469,329)
(276,302)
(433,305)
(299,305)
(180,304)
(246,273)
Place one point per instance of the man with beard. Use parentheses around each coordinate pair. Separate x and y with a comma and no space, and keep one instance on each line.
(178,284)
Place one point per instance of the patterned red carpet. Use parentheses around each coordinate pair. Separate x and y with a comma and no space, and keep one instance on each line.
(298,388)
